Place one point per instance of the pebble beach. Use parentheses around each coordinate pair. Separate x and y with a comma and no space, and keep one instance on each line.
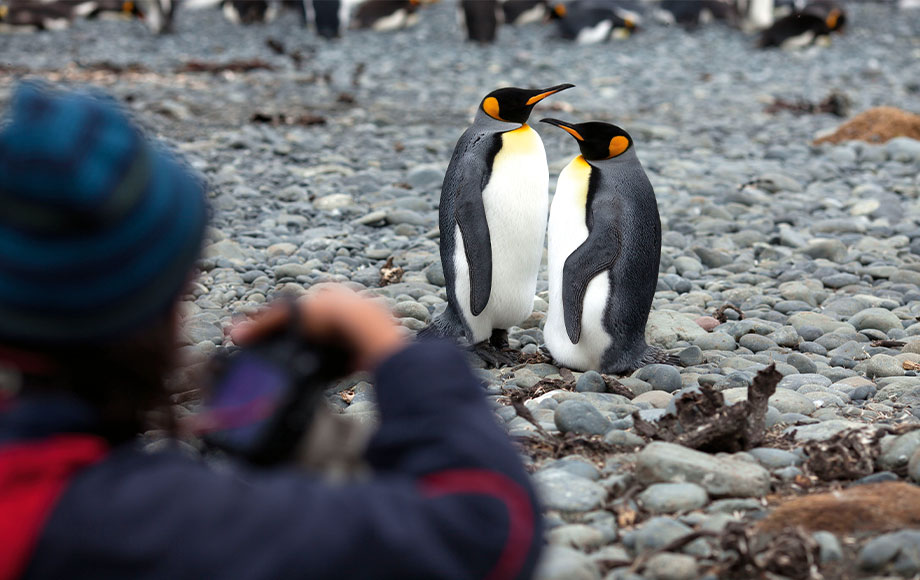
(325,162)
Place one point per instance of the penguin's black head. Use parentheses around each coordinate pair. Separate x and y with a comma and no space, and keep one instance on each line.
(514,105)
(597,141)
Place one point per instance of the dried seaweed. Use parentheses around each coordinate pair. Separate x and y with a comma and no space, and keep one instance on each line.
(236,66)
(850,454)
(703,421)
(719,314)
(835,103)
(591,447)
(276,119)
(390,273)
(791,553)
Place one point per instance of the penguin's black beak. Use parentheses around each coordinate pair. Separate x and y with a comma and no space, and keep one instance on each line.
(547,92)
(567,127)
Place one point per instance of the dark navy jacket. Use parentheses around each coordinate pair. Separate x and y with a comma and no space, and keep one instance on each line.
(449,498)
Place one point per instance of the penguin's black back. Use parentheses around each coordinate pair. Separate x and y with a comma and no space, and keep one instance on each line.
(792,26)
(369,12)
(622,201)
(481,19)
(326,15)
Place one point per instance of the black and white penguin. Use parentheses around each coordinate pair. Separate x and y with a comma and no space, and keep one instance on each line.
(385,15)
(30,15)
(520,12)
(327,16)
(480,18)
(593,21)
(693,13)
(58,14)
(493,213)
(603,252)
(250,11)
(813,24)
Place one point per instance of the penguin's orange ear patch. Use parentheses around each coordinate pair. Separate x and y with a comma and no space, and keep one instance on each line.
(832,19)
(490,106)
(618,145)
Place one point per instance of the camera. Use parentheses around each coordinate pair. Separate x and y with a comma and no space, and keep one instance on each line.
(263,397)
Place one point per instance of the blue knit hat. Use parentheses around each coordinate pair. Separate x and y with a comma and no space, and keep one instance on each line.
(99,228)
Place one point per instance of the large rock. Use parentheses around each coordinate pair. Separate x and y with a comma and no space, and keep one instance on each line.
(575,416)
(561,563)
(822,321)
(666,327)
(561,490)
(667,498)
(877,318)
(720,476)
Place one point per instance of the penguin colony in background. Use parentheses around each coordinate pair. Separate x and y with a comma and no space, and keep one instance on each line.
(787,24)
(604,239)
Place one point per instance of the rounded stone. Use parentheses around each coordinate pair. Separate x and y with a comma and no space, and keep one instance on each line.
(563,491)
(657,399)
(667,498)
(661,377)
(573,416)
(802,363)
(716,341)
(876,318)
(668,566)
(883,365)
(756,342)
(591,382)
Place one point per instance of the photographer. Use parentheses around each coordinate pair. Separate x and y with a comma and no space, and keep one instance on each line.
(99,230)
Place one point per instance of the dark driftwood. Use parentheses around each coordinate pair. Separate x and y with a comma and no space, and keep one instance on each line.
(850,454)
(703,421)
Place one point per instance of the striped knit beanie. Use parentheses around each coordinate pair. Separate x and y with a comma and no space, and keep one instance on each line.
(99,228)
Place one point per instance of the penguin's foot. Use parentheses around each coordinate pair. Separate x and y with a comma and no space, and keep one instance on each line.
(499,338)
(496,357)
(654,355)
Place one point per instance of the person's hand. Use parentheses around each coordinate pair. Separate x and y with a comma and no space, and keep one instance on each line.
(333,314)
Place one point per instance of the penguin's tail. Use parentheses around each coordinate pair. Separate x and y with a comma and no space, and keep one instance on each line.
(447,325)
(655,355)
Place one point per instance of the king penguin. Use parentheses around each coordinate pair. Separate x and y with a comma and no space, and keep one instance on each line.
(604,247)
(492,215)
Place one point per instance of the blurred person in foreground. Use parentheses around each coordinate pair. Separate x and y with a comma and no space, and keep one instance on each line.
(99,231)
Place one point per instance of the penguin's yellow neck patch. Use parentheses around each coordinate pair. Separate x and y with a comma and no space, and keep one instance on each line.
(490,106)
(618,145)
(579,170)
(520,141)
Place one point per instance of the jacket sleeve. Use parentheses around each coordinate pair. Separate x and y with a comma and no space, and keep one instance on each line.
(449,499)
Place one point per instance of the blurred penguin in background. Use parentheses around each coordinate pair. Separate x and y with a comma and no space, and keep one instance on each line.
(520,12)
(58,14)
(693,13)
(810,25)
(385,15)
(249,11)
(327,16)
(755,15)
(480,18)
(594,21)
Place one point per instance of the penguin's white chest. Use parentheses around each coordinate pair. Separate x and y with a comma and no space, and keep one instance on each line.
(567,231)
(516,200)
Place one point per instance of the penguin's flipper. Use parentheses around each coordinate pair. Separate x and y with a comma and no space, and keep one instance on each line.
(597,254)
(470,215)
